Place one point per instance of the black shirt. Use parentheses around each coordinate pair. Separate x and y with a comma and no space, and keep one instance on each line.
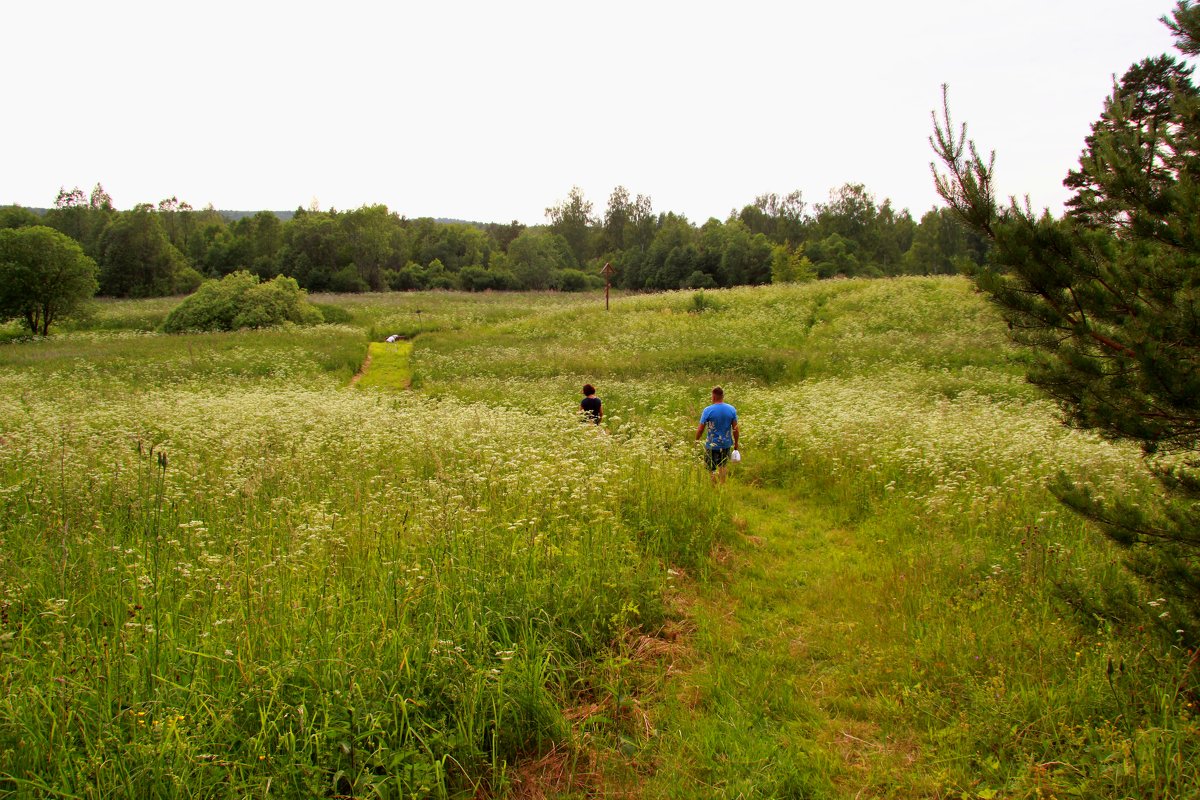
(591,408)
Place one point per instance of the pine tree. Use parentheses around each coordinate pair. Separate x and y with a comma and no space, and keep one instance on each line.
(1107,299)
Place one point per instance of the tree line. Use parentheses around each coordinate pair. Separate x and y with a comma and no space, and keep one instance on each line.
(171,248)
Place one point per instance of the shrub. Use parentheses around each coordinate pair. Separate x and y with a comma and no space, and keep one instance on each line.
(239,301)
(348,281)
(409,278)
(334,314)
(479,279)
(571,280)
(702,302)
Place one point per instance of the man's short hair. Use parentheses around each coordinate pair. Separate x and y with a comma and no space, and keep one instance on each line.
(718,391)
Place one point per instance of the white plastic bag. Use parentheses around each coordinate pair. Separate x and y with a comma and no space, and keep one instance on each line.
(735,457)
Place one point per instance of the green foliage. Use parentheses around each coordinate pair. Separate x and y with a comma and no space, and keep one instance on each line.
(782,219)
(746,258)
(572,220)
(571,280)
(387,366)
(138,260)
(348,280)
(791,265)
(836,255)
(82,218)
(536,256)
(44,276)
(702,302)
(241,301)
(18,217)
(401,612)
(1105,300)
(372,249)
(359,588)
(671,258)
(942,245)
(479,279)
(333,314)
(627,224)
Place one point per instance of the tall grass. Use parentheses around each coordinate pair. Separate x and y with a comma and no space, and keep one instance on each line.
(216,585)
(222,573)
(899,408)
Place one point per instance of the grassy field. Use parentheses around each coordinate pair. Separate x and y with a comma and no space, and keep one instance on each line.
(229,569)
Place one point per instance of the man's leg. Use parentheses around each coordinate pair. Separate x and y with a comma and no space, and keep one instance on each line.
(722,465)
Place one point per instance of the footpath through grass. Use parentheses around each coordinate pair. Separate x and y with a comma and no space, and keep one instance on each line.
(386,366)
(825,658)
(777,695)
(223,574)
(901,609)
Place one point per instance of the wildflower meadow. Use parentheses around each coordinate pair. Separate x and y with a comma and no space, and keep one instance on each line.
(239,564)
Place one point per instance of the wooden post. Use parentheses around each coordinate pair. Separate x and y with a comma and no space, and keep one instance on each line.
(607,273)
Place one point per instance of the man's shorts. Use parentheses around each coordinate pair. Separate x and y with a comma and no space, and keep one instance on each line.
(716,458)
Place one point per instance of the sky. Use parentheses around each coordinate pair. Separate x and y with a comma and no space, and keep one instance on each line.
(492,112)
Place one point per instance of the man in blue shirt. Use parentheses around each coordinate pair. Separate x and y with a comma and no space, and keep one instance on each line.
(719,420)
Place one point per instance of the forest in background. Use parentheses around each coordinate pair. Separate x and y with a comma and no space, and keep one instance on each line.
(170,248)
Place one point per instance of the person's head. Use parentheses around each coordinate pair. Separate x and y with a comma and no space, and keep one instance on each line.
(718,394)
(588,389)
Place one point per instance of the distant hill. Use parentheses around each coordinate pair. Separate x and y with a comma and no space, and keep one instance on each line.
(229,216)
(285,216)
(234,216)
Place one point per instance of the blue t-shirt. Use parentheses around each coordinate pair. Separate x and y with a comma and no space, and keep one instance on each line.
(719,417)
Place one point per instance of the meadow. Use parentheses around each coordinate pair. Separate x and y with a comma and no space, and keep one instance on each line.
(228,568)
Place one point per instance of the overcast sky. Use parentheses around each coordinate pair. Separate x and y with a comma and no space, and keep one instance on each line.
(492,111)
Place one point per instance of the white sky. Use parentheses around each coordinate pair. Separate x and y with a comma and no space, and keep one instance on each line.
(492,111)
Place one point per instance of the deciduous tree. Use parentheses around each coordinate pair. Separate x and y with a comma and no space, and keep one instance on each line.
(572,220)
(44,276)
(83,220)
(138,260)
(17,217)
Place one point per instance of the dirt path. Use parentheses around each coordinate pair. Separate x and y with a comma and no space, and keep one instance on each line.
(362,370)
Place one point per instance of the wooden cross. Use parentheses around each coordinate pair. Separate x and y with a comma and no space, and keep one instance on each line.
(607,272)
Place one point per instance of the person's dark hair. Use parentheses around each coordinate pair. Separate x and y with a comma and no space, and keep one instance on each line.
(589,389)
(718,391)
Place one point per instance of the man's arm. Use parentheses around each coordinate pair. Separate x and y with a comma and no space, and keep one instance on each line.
(700,431)
(736,434)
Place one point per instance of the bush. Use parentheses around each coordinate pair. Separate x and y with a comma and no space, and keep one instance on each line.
(334,314)
(410,278)
(187,280)
(571,280)
(348,281)
(239,301)
(699,280)
(415,277)
(702,302)
(476,279)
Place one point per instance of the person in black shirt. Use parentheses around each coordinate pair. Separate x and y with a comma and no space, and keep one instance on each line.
(590,407)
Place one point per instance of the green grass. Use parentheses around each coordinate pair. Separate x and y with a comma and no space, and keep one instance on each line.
(387,366)
(222,573)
